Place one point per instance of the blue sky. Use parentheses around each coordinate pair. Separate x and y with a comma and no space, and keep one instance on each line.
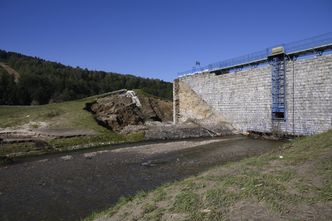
(155,38)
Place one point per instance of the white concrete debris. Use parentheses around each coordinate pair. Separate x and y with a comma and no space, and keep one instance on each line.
(134,98)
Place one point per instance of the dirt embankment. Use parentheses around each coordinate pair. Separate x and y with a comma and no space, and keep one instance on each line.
(125,112)
(123,108)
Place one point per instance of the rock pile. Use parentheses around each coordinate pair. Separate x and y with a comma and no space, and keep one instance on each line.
(122,108)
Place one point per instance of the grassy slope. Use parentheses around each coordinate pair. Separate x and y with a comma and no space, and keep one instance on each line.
(68,114)
(72,112)
(59,115)
(295,187)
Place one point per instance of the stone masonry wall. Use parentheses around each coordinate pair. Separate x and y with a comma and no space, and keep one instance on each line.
(244,98)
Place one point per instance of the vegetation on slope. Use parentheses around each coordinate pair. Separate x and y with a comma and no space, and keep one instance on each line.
(43,82)
(293,183)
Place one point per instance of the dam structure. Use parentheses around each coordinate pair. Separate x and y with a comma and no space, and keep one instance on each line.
(285,89)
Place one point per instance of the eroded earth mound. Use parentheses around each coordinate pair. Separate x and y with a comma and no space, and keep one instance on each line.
(121,108)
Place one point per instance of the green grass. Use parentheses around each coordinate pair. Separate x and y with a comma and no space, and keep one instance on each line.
(159,195)
(278,185)
(60,115)
(19,147)
(186,201)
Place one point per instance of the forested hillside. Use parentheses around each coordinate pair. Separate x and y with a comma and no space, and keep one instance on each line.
(42,82)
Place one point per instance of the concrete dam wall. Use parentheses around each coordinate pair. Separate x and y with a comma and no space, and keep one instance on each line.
(246,99)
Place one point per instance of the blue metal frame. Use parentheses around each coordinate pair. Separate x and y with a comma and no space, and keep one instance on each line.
(309,44)
(278,88)
(314,43)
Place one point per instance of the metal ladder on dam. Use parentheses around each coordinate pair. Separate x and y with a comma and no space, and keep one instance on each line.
(277,60)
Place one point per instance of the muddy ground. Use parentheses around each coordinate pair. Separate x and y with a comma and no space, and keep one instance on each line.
(70,187)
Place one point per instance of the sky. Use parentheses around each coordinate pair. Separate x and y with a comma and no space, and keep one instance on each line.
(155,38)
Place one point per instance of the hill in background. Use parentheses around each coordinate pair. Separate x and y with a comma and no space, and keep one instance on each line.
(26,80)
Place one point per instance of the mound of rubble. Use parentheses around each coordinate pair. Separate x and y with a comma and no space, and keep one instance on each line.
(118,109)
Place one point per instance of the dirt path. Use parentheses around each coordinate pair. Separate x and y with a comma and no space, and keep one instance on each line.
(11,71)
(69,187)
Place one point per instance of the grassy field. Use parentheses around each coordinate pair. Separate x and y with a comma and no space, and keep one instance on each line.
(293,183)
(58,115)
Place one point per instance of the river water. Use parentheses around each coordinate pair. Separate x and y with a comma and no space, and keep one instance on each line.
(72,186)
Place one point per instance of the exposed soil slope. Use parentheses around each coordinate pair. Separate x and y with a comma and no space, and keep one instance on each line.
(128,112)
(155,108)
(122,108)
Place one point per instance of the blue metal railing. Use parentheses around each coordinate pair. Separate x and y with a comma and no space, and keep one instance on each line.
(310,43)
(259,56)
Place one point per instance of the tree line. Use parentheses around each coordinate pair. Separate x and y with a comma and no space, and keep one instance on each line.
(43,82)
